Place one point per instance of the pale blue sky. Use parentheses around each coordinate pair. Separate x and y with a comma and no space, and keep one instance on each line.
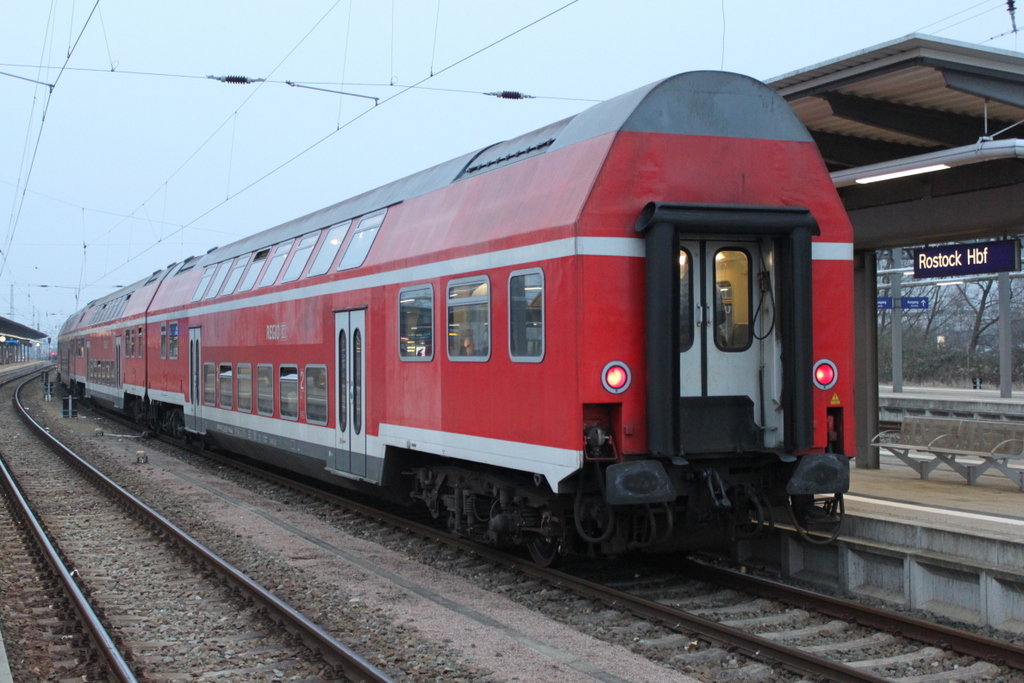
(121,163)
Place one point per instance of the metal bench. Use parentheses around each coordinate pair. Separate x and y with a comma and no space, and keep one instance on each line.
(994,442)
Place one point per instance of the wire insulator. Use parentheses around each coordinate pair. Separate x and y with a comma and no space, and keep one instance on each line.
(510,95)
(241,80)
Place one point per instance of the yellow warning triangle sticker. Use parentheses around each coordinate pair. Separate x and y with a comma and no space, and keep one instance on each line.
(835,399)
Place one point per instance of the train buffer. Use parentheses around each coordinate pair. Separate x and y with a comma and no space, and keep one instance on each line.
(986,444)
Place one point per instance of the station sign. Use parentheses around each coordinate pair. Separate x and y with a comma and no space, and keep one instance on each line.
(913,303)
(955,260)
(885,303)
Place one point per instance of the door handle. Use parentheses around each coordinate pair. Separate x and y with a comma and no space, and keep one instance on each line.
(703,311)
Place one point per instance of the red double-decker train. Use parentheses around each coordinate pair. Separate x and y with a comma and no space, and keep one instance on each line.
(628,329)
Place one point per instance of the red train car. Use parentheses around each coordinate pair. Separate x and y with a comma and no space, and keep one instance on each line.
(629,329)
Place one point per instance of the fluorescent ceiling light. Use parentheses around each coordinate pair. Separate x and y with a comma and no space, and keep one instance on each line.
(947,284)
(901,174)
(983,150)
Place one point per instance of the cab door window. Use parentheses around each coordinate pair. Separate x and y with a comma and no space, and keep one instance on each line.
(732,300)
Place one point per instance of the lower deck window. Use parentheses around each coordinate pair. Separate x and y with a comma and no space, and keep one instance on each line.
(209,384)
(226,386)
(526,316)
(316,394)
(245,388)
(172,341)
(265,389)
(289,387)
(416,323)
(469,319)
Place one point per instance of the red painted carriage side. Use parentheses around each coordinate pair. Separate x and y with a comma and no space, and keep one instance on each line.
(645,167)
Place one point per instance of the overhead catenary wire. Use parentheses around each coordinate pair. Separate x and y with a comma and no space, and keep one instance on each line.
(294,83)
(956,14)
(16,215)
(259,85)
(351,121)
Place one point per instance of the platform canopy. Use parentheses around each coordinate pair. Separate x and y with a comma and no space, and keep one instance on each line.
(11,330)
(919,103)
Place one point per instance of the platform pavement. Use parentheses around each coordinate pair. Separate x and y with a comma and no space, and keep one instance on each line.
(993,496)
(992,508)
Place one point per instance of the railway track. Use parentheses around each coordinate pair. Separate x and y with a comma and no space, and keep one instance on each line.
(152,602)
(714,624)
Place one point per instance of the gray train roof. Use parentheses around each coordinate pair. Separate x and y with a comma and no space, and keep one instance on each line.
(739,107)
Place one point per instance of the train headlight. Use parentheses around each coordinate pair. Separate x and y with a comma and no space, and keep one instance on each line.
(616,377)
(825,374)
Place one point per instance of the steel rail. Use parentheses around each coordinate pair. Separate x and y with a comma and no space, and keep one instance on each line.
(21,375)
(94,629)
(336,653)
(966,643)
(751,645)
(989,649)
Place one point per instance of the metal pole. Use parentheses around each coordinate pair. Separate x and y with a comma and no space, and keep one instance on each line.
(1005,338)
(897,332)
(865,390)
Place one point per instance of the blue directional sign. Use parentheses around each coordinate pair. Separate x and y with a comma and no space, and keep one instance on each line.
(884,303)
(913,302)
(967,259)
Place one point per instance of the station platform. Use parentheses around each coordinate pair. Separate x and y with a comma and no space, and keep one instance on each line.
(938,545)
(993,508)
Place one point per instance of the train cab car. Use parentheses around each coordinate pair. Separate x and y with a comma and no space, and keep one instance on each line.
(630,329)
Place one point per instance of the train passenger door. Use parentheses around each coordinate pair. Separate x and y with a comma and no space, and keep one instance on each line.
(720,354)
(118,383)
(89,375)
(194,407)
(349,454)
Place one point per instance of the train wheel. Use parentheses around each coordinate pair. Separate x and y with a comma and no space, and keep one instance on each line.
(177,425)
(543,551)
(138,412)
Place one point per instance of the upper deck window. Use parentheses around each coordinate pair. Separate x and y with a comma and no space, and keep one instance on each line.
(329,249)
(301,257)
(362,240)
(276,263)
(218,280)
(254,270)
(236,274)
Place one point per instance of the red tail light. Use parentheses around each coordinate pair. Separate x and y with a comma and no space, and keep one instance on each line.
(616,377)
(825,374)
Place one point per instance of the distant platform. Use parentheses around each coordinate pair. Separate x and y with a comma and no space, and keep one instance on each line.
(983,404)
